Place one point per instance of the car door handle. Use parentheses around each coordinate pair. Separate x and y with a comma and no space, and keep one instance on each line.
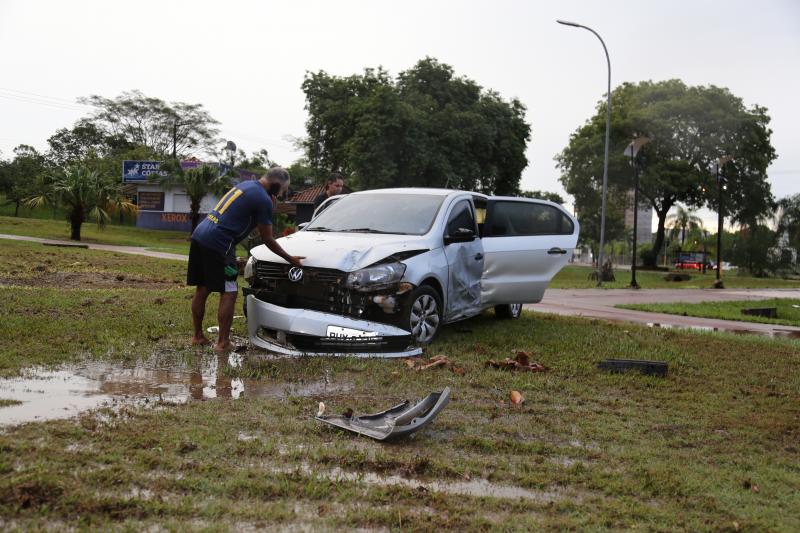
(478,256)
(556,251)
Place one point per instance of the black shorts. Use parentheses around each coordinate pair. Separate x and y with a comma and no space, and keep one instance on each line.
(207,268)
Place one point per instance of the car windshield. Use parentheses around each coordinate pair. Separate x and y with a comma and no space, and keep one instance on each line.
(403,214)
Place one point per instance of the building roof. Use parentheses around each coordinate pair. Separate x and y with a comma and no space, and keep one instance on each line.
(307,196)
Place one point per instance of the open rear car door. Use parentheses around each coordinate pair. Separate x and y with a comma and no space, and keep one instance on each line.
(525,243)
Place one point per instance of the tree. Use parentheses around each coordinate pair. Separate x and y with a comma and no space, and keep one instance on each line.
(197,182)
(683,220)
(542,195)
(173,129)
(85,194)
(788,220)
(72,146)
(19,176)
(689,129)
(427,128)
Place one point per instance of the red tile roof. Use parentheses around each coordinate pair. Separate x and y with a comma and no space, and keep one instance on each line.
(307,196)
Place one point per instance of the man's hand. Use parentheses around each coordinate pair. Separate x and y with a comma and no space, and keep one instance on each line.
(294,260)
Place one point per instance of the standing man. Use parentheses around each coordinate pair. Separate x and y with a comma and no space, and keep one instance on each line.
(212,256)
(333,186)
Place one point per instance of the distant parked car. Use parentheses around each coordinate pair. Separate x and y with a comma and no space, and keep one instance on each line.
(693,261)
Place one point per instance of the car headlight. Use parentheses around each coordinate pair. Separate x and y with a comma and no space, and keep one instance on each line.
(250,270)
(375,277)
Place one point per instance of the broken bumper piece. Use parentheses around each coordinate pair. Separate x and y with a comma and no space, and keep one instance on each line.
(289,331)
(399,421)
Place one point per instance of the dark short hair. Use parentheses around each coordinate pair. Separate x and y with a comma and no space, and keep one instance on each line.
(335,176)
(277,173)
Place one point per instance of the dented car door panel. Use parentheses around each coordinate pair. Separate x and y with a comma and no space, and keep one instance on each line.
(464,262)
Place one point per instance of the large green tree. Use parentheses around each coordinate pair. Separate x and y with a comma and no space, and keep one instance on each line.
(426,127)
(174,129)
(19,176)
(689,129)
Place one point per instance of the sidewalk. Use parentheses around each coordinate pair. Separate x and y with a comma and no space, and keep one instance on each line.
(135,250)
(599,303)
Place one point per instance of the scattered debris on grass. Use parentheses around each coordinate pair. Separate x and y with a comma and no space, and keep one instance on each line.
(655,368)
(394,423)
(434,362)
(521,362)
(516,397)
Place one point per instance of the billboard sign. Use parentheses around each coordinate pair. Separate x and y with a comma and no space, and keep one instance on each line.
(145,171)
(141,171)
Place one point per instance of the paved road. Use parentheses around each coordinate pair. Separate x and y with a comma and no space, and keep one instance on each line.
(599,303)
(135,250)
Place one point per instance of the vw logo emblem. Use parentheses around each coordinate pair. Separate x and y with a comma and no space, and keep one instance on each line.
(295,274)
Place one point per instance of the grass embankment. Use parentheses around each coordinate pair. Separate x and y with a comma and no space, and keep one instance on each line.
(160,240)
(788,310)
(714,446)
(577,277)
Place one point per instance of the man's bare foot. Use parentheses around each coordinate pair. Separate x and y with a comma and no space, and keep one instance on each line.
(224,348)
(200,341)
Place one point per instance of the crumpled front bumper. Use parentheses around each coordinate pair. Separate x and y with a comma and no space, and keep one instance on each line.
(289,331)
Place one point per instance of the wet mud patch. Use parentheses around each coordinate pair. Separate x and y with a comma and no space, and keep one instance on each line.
(88,280)
(40,394)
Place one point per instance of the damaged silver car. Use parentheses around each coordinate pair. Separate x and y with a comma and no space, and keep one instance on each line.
(385,270)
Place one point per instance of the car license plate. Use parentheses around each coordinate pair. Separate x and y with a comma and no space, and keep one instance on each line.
(343,333)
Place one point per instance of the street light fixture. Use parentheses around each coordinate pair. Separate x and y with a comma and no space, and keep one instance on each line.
(230,147)
(718,164)
(605,159)
(632,150)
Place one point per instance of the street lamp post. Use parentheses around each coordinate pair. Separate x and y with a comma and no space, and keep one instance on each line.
(230,147)
(717,165)
(632,150)
(605,159)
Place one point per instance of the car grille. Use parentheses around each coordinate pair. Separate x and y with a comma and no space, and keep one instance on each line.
(392,343)
(320,289)
(280,272)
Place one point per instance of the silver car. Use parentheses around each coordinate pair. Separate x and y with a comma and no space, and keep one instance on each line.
(386,269)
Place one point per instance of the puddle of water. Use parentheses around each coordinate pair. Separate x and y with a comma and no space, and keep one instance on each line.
(786,333)
(476,488)
(50,394)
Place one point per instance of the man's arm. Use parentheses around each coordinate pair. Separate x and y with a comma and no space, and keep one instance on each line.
(266,236)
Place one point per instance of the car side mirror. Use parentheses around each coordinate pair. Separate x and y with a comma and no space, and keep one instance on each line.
(461,235)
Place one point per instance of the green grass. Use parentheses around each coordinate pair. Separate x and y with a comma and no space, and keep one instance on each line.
(787,315)
(577,277)
(714,446)
(176,242)
(6,403)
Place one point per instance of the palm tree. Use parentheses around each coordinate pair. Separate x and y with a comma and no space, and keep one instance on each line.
(85,194)
(788,220)
(197,182)
(682,220)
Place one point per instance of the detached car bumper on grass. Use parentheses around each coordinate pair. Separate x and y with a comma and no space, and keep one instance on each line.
(385,270)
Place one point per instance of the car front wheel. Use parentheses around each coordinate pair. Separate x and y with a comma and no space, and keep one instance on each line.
(424,314)
(508,310)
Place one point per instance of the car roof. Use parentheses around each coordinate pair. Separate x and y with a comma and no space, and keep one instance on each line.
(419,190)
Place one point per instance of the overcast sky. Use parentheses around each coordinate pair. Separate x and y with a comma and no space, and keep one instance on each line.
(245,61)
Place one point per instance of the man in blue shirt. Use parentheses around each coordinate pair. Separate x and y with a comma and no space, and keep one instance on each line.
(212,256)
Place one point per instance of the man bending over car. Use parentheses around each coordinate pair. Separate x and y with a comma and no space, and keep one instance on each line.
(212,256)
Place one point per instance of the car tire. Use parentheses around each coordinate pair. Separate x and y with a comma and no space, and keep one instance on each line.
(507,311)
(423,315)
